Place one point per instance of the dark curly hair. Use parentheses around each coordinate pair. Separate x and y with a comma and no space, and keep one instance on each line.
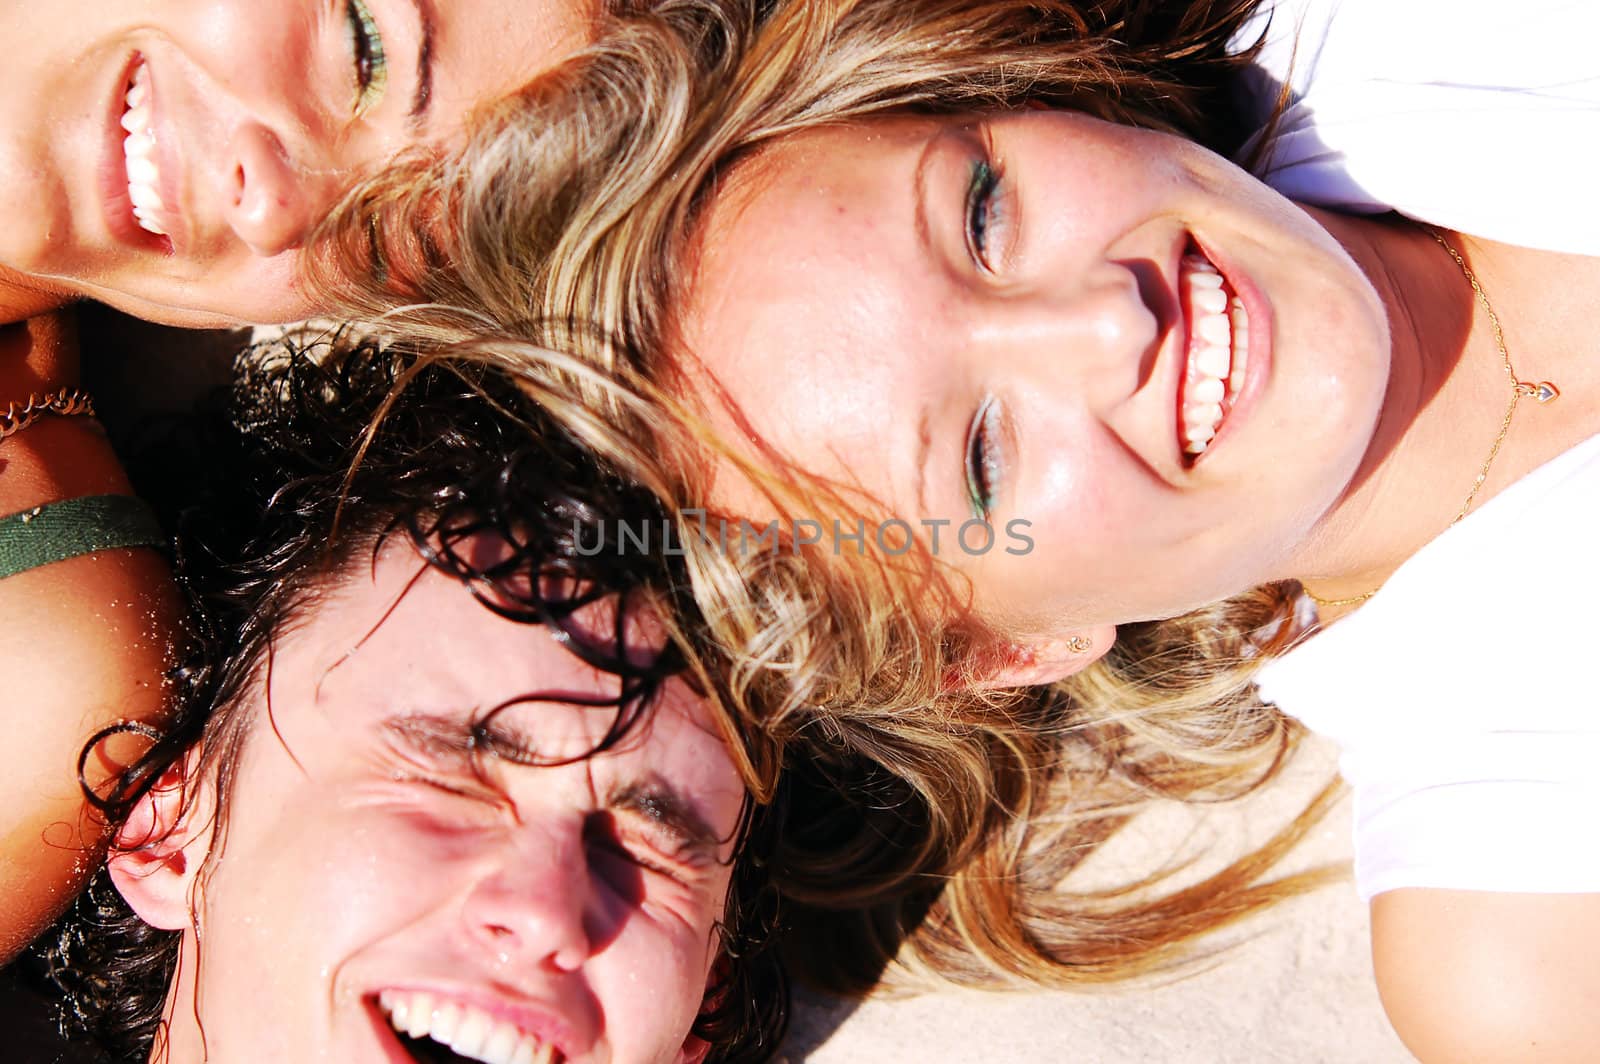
(325,451)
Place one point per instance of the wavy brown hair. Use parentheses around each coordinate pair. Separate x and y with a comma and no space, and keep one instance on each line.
(570,222)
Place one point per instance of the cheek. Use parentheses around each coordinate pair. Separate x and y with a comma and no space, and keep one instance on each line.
(292,898)
(651,986)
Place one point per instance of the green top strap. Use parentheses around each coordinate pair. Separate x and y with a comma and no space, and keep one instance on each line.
(57,531)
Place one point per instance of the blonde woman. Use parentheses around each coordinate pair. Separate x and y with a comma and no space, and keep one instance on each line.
(934,266)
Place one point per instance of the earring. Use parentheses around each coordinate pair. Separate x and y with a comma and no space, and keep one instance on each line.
(1080,644)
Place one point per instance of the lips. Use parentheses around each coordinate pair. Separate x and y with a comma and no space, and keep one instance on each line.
(1216,353)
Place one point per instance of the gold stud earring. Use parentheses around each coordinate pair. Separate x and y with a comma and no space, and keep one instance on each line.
(1080,645)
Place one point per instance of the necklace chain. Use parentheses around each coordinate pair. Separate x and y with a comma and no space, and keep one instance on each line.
(1542,392)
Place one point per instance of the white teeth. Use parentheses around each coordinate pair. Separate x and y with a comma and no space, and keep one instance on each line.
(1208,300)
(500,1044)
(1241,344)
(421,1017)
(1218,336)
(471,1034)
(142,170)
(138,149)
(1213,360)
(1215,329)
(468,1031)
(446,1018)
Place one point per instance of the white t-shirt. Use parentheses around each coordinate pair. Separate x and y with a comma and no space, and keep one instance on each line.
(1465,696)
(1475,115)
(1462,694)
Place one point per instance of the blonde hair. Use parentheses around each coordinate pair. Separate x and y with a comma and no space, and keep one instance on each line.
(568,223)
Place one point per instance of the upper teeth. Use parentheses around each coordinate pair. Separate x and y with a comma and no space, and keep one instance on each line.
(1218,344)
(468,1031)
(139,153)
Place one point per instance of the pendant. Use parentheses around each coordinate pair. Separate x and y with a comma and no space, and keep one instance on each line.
(1543,392)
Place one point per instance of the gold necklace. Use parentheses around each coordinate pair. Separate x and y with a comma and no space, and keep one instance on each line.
(1543,392)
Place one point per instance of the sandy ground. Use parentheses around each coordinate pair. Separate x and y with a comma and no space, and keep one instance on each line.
(1295,986)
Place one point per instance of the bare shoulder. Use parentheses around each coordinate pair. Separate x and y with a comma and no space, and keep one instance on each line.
(1471,976)
(84,643)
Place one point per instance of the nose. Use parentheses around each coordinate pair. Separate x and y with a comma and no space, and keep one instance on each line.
(269,200)
(530,907)
(1096,334)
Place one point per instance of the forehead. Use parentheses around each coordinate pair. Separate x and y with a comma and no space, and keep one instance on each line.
(811,288)
(394,637)
(483,49)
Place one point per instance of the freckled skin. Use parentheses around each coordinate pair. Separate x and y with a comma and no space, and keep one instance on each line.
(872,335)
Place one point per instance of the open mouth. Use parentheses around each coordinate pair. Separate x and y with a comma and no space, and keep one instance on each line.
(139,153)
(439,1031)
(1216,355)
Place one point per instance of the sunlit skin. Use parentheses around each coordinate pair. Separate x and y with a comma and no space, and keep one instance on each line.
(263,113)
(859,302)
(863,291)
(362,853)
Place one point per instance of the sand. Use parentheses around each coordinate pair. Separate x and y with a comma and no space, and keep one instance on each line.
(1295,986)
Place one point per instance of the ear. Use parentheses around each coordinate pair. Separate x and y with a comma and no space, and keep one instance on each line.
(1038,662)
(695,1049)
(159,849)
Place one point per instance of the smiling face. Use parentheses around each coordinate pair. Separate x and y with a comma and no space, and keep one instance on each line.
(1168,370)
(371,883)
(171,156)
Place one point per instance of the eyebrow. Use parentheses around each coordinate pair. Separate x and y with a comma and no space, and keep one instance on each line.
(417,118)
(919,188)
(919,185)
(924,447)
(660,801)
(433,735)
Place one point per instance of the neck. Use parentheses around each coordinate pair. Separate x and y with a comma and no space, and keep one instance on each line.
(1446,397)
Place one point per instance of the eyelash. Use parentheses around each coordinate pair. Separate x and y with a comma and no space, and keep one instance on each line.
(610,834)
(367,55)
(982,209)
(983,458)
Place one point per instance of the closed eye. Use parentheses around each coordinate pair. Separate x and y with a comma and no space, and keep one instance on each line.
(367,57)
(985,458)
(625,856)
